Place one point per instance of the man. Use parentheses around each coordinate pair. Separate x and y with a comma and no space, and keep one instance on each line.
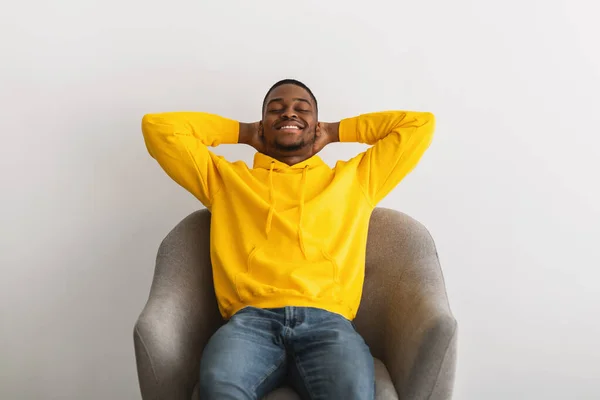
(288,238)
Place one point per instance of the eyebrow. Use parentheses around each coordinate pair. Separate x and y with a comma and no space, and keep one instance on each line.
(295,99)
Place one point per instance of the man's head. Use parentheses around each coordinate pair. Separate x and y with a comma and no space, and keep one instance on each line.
(289,119)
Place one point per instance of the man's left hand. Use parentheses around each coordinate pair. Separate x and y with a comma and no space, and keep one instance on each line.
(327,132)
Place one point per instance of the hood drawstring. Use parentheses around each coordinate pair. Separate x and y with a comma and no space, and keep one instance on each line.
(301,206)
(271,200)
(302,190)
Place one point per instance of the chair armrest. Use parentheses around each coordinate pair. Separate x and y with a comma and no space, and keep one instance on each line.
(405,316)
(181,313)
(420,335)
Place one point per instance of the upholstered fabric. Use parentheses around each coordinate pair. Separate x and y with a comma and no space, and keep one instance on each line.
(404,315)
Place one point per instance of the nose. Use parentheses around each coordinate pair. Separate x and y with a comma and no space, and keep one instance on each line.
(289,113)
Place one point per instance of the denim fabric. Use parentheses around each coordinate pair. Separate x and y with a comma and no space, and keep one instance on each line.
(316,352)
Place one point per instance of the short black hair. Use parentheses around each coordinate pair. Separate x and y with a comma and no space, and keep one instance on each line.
(290,82)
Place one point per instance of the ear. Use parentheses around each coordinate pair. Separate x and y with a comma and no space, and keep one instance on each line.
(318,130)
(261,129)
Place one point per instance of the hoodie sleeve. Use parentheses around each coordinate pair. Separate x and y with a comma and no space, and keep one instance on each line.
(399,139)
(179,140)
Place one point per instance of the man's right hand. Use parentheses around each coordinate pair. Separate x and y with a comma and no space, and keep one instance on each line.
(250,134)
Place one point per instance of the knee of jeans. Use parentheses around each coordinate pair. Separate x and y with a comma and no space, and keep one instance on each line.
(358,374)
(215,383)
(360,385)
(211,377)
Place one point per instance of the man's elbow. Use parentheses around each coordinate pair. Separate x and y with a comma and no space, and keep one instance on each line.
(427,123)
(429,118)
(148,121)
(152,132)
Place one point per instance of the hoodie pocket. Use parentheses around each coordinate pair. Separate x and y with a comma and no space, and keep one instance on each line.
(271,271)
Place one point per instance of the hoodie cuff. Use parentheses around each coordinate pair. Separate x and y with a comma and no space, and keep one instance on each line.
(230,132)
(348,131)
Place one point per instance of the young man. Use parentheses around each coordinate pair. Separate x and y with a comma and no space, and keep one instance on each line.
(288,238)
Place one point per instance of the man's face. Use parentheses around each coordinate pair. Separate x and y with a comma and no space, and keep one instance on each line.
(289,120)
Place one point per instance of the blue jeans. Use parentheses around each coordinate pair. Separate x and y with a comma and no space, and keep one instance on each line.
(316,352)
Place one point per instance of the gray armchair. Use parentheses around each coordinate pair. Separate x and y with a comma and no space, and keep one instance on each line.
(404,315)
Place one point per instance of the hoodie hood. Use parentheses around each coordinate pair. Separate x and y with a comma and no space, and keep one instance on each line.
(264,161)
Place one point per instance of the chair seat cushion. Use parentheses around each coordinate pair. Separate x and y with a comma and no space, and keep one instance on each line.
(384,388)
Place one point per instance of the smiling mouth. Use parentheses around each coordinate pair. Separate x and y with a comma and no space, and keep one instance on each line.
(289,127)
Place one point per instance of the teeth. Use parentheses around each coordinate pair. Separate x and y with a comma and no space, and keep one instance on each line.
(289,127)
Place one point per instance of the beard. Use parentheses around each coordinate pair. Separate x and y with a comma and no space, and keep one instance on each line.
(291,148)
(294,147)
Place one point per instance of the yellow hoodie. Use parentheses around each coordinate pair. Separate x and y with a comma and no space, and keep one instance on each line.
(288,235)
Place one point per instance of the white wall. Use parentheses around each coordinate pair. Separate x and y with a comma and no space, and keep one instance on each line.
(509,188)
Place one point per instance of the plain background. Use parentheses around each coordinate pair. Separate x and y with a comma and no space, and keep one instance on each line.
(509,187)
